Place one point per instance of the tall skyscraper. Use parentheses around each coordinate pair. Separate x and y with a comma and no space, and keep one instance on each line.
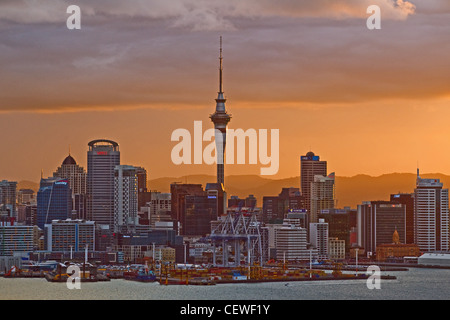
(431,215)
(8,195)
(125,199)
(377,221)
(220,118)
(144,195)
(76,175)
(54,201)
(178,198)
(200,210)
(217,192)
(407,199)
(318,237)
(310,166)
(103,156)
(322,195)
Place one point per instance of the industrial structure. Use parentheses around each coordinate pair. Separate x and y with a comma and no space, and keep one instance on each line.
(239,232)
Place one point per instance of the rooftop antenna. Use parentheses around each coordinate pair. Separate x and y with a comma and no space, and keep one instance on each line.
(221,67)
(418,176)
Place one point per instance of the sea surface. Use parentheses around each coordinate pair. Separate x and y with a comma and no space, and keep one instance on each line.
(414,284)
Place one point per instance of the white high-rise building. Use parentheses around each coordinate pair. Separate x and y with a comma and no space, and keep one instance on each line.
(431,215)
(318,237)
(291,243)
(125,198)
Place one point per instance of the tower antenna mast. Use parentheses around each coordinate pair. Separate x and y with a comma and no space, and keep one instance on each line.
(221,66)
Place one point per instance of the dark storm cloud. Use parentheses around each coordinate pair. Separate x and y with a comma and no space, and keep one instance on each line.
(133,54)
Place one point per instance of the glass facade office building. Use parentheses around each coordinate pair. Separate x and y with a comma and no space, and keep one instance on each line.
(54,201)
(200,211)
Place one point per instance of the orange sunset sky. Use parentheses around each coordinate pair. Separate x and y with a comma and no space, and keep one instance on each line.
(367,101)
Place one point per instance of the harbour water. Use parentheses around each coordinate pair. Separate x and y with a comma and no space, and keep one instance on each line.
(414,284)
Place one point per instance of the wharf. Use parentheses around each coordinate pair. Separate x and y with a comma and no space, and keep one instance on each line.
(362,267)
(206,281)
(294,279)
(314,276)
(56,277)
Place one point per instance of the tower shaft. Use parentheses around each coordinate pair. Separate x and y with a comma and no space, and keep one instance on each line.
(220,118)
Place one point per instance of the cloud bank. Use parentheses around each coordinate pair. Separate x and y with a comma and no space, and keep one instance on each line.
(163,54)
(200,14)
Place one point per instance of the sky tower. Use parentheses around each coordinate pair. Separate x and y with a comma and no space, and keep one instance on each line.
(220,118)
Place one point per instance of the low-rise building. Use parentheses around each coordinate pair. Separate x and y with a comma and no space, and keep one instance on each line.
(336,249)
(17,238)
(396,250)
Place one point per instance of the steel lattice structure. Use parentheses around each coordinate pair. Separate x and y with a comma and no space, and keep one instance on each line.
(241,232)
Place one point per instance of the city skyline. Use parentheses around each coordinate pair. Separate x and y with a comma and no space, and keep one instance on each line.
(369,101)
(120,161)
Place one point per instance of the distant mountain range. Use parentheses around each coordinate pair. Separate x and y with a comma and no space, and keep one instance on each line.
(350,191)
